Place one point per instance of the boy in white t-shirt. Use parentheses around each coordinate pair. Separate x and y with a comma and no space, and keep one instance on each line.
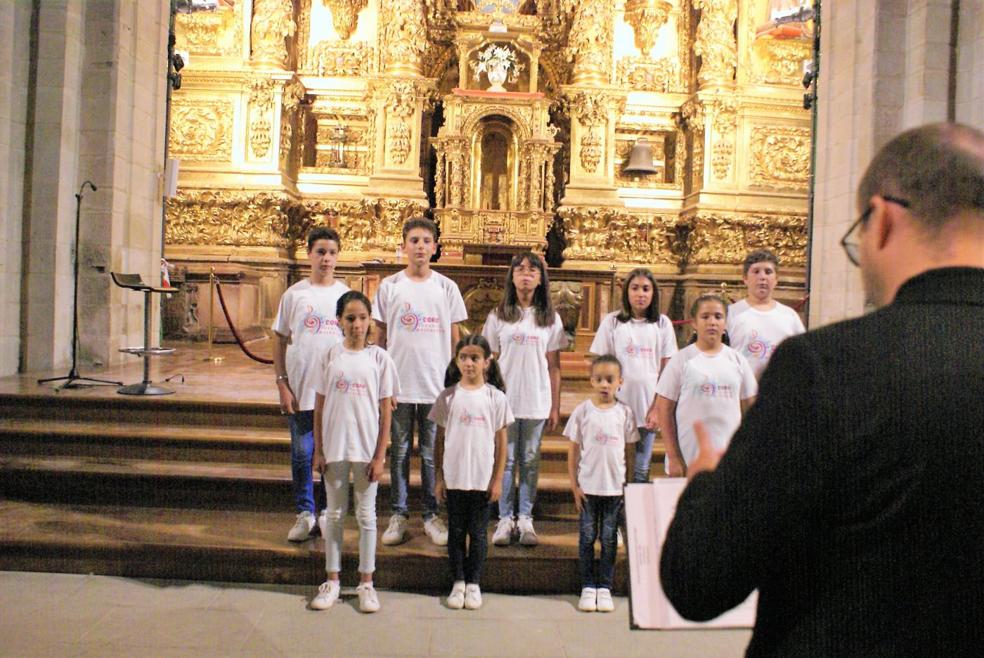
(417,312)
(306,326)
(602,431)
(758,323)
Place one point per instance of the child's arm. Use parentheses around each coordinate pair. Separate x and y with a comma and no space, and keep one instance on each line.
(495,485)
(553,369)
(374,470)
(666,412)
(440,490)
(573,458)
(746,404)
(318,463)
(652,414)
(455,335)
(288,402)
(629,461)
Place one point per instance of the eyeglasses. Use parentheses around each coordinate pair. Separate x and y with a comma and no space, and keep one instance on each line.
(851,241)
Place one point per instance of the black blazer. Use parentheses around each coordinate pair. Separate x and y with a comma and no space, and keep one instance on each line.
(852,496)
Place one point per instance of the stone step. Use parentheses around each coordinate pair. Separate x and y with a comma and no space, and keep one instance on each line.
(251,546)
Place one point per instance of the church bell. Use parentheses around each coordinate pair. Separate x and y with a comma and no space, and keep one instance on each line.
(641,159)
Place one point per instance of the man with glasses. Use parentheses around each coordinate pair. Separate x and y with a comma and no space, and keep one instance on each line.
(852,496)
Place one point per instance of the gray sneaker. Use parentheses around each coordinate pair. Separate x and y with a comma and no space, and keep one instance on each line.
(503,532)
(396,532)
(302,527)
(436,530)
(527,535)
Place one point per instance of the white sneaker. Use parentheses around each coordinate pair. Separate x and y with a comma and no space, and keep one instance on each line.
(503,532)
(473,597)
(605,603)
(589,600)
(527,535)
(436,530)
(456,599)
(396,532)
(368,601)
(327,595)
(302,527)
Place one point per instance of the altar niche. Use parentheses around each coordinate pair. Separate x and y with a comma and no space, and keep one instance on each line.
(495,147)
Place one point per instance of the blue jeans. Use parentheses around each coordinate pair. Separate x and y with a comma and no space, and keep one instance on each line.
(301,454)
(523,443)
(643,455)
(599,516)
(406,415)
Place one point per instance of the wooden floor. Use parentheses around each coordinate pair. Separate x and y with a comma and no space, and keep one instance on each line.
(196,485)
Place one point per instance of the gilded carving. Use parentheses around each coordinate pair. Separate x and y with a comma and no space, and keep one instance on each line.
(589,44)
(211,32)
(646,18)
(273,24)
(337,59)
(260,90)
(721,161)
(403,37)
(344,15)
(725,238)
(292,95)
(590,150)
(779,158)
(714,41)
(780,61)
(259,136)
(398,142)
(725,117)
(479,300)
(616,235)
(567,298)
(241,219)
(590,109)
(692,114)
(642,74)
(201,129)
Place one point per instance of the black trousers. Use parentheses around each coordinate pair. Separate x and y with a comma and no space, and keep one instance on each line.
(468,518)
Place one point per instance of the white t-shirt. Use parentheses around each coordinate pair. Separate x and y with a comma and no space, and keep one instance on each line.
(602,435)
(353,383)
(522,348)
(709,388)
(756,334)
(418,317)
(306,315)
(470,418)
(639,346)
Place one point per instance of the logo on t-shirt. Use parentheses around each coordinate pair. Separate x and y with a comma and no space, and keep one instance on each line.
(415,321)
(638,351)
(605,439)
(712,389)
(349,387)
(758,347)
(314,323)
(525,339)
(473,420)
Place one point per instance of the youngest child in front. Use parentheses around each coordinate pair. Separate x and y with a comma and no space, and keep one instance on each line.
(602,431)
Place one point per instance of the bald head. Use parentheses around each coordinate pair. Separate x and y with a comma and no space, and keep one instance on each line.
(937,168)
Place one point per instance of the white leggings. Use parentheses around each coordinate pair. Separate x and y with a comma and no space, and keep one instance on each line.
(336,495)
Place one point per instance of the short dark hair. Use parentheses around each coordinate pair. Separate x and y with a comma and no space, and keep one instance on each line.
(709,297)
(323,233)
(938,168)
(419,222)
(759,256)
(607,358)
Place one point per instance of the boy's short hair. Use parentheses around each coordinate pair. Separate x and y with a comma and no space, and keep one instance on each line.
(607,358)
(759,256)
(322,233)
(419,222)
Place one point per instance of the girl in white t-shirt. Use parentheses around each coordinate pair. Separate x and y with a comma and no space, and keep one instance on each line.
(643,340)
(351,422)
(473,414)
(526,335)
(706,381)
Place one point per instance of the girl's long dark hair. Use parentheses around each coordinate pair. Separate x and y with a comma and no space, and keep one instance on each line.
(493,375)
(355,296)
(652,311)
(509,310)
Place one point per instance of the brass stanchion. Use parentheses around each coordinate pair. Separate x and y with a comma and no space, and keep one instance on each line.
(211,325)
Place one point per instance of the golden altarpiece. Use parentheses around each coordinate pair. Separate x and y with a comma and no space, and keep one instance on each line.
(510,122)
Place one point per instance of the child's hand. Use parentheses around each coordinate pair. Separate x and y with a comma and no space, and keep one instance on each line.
(495,489)
(288,403)
(374,469)
(553,420)
(578,498)
(440,491)
(652,419)
(675,468)
(319,464)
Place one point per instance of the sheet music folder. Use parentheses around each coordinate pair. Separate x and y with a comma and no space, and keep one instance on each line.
(649,508)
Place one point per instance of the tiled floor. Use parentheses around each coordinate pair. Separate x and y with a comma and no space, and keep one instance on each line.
(74,615)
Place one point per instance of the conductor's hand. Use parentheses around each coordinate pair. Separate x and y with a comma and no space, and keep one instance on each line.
(708,455)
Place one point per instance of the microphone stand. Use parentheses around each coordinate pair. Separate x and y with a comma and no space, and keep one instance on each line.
(73,376)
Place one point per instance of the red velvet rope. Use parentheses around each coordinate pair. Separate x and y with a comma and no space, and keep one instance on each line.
(235,332)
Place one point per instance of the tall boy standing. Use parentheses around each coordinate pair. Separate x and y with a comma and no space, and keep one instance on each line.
(758,323)
(306,326)
(417,311)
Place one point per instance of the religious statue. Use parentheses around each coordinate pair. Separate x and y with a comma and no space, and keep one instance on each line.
(273,24)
